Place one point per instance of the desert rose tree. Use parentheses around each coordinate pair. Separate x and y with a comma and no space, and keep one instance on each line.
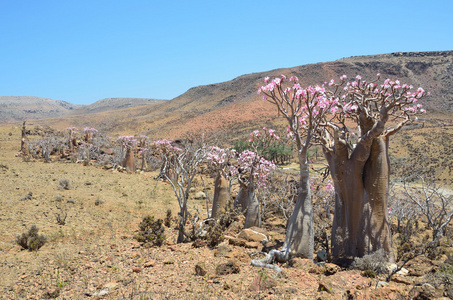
(355,141)
(353,122)
(220,161)
(183,164)
(305,109)
(253,172)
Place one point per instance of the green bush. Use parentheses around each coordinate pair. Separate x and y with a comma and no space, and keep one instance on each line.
(31,240)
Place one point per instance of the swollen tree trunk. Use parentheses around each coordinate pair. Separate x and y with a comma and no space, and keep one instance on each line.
(376,183)
(299,240)
(241,200)
(221,195)
(24,142)
(361,182)
(129,161)
(253,215)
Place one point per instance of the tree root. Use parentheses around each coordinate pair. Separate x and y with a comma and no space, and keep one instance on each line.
(273,255)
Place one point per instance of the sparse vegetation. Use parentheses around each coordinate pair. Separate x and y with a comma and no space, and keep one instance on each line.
(151,232)
(31,240)
(103,246)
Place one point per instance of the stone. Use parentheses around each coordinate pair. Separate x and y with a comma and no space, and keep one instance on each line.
(382,284)
(199,243)
(338,283)
(221,250)
(136,269)
(200,195)
(426,291)
(321,255)
(262,282)
(149,263)
(230,267)
(253,236)
(200,269)
(402,279)
(331,269)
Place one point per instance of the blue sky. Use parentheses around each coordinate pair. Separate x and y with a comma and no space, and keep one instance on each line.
(83,51)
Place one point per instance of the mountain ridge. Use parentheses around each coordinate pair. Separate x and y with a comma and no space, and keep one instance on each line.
(235,103)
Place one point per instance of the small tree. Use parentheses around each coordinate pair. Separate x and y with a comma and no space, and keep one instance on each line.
(220,160)
(434,203)
(305,110)
(253,172)
(127,143)
(184,164)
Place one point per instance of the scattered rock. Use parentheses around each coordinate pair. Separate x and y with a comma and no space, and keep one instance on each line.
(200,269)
(262,282)
(136,269)
(251,235)
(382,284)
(402,279)
(29,196)
(339,282)
(221,250)
(331,269)
(321,255)
(149,263)
(426,291)
(199,243)
(200,195)
(52,294)
(102,292)
(230,267)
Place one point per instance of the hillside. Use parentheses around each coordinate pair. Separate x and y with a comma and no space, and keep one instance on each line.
(235,106)
(110,104)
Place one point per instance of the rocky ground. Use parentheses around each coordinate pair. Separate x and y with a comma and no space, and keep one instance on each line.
(94,254)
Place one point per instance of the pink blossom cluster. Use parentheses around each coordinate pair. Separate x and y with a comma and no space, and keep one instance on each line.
(256,166)
(391,94)
(90,130)
(126,141)
(315,102)
(219,158)
(166,145)
(267,134)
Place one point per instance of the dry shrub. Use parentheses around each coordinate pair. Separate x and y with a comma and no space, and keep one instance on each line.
(376,262)
(31,240)
(151,232)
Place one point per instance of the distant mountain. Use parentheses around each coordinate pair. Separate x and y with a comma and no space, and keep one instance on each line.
(21,108)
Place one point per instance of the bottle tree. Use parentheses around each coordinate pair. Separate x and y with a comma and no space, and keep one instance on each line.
(353,122)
